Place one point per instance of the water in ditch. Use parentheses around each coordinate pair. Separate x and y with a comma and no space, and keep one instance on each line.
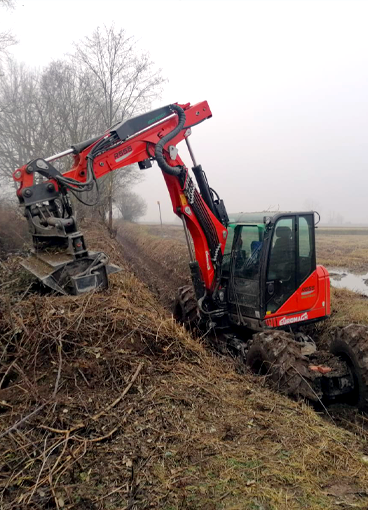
(343,279)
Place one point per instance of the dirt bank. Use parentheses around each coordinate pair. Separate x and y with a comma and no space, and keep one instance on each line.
(107,404)
(161,263)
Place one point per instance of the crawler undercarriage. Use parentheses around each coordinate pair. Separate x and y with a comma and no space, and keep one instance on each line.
(293,361)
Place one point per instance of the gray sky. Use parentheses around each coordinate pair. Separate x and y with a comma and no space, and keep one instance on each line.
(287,83)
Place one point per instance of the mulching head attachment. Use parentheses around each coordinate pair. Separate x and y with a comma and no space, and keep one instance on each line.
(66,274)
(60,258)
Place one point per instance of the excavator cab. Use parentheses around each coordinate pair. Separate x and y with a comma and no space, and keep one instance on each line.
(269,267)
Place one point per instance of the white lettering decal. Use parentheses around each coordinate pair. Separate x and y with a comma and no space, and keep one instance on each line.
(291,320)
(122,157)
(307,292)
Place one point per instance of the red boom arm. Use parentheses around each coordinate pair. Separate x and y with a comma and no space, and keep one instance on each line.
(141,147)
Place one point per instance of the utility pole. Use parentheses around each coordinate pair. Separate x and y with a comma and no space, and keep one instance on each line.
(159,208)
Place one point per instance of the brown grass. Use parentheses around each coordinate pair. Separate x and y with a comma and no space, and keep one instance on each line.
(169,251)
(188,432)
(347,307)
(343,251)
(13,230)
(336,247)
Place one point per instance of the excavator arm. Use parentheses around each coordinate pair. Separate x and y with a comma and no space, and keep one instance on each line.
(44,193)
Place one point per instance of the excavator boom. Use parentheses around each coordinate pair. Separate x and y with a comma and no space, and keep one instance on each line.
(60,257)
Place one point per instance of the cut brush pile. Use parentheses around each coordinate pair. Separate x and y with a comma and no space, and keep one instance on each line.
(107,404)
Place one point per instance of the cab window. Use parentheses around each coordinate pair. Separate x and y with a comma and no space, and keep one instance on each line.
(248,252)
(307,263)
(228,248)
(282,264)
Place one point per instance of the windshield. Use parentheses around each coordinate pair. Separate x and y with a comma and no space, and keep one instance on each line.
(251,238)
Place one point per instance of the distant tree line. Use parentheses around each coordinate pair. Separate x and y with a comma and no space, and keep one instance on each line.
(42,112)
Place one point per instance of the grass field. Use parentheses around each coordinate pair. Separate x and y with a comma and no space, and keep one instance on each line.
(343,247)
(337,247)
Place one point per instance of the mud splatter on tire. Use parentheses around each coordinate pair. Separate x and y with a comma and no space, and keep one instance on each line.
(277,355)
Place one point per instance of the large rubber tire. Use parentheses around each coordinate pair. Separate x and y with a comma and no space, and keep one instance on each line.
(186,307)
(351,345)
(277,355)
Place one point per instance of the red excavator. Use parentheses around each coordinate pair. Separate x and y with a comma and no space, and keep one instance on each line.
(256,287)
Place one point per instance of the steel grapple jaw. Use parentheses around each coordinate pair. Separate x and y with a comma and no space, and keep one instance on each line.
(68,275)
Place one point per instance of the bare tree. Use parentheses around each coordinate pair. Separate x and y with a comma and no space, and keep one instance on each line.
(6,38)
(123,182)
(19,127)
(67,109)
(127,80)
(44,112)
(131,206)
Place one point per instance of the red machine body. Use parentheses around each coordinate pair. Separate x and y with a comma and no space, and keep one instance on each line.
(310,302)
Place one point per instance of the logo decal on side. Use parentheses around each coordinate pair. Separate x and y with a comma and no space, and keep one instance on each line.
(306,291)
(291,320)
(124,153)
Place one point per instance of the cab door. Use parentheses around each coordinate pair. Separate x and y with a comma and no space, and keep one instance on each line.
(291,259)
(244,288)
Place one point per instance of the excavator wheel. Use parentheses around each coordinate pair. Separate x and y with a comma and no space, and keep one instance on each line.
(185,307)
(276,354)
(351,345)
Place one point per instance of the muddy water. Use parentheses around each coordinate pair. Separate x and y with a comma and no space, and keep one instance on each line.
(343,279)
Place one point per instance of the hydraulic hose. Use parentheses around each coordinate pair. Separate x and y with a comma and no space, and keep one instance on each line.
(164,166)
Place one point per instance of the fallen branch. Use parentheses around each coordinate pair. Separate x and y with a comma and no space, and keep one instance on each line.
(60,349)
(98,415)
(20,422)
(116,401)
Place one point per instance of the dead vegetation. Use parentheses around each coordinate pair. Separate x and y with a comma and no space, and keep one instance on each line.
(343,248)
(171,253)
(160,262)
(346,307)
(13,229)
(106,403)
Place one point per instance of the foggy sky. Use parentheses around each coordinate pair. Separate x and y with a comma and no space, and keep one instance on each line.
(287,83)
